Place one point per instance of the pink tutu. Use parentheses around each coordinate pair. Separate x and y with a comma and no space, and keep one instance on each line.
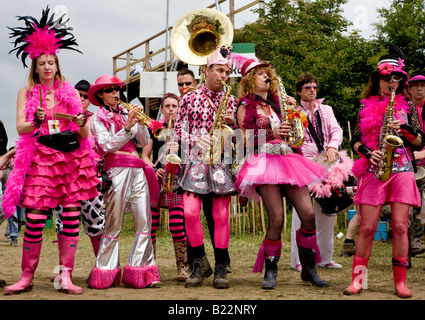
(400,187)
(56,178)
(264,168)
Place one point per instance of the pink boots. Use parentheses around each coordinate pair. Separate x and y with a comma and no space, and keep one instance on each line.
(30,258)
(399,273)
(359,275)
(68,247)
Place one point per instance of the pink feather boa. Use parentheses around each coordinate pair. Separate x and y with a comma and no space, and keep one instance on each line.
(26,146)
(337,175)
(251,104)
(371,119)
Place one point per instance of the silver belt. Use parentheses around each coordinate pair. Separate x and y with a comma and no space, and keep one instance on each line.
(276,149)
(395,168)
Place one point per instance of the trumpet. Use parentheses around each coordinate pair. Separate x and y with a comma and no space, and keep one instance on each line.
(143,119)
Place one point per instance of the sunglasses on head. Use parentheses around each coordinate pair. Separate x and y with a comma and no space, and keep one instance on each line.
(110,89)
(181,84)
(393,77)
(309,86)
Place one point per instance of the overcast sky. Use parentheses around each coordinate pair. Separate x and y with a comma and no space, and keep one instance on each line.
(106,28)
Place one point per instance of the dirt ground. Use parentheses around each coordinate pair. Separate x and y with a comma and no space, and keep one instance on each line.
(244,284)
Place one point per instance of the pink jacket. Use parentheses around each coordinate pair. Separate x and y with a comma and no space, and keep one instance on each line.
(332,132)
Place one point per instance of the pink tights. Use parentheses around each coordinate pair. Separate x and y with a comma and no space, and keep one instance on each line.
(369,222)
(36,221)
(194,229)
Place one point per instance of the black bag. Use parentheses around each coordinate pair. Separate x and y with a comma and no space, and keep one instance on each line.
(105,181)
(65,141)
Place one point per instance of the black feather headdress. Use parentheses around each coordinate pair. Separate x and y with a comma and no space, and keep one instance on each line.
(47,36)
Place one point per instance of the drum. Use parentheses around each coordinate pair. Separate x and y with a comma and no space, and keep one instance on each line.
(420,177)
(331,193)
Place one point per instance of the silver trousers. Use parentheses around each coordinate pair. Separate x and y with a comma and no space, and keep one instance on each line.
(129,189)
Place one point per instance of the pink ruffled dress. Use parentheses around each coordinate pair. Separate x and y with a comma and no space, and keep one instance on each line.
(267,168)
(54,177)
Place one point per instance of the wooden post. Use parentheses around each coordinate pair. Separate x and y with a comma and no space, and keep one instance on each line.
(349,136)
(284,216)
(262,218)
(253,217)
(239,215)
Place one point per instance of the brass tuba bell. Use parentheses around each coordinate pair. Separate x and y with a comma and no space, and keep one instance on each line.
(196,34)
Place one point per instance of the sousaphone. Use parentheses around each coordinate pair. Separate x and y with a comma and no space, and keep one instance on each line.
(196,34)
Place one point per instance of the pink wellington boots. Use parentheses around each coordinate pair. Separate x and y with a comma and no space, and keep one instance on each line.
(359,275)
(68,247)
(30,258)
(399,273)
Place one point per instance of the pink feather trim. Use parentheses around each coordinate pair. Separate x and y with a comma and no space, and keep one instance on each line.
(237,60)
(337,175)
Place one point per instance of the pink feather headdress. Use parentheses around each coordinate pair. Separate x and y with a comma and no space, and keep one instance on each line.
(47,36)
(42,41)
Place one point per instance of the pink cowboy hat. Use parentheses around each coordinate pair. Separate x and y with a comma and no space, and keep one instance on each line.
(101,82)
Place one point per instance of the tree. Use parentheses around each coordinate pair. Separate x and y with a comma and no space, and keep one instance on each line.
(306,35)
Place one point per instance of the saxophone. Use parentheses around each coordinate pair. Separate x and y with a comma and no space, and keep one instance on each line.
(388,143)
(295,137)
(173,161)
(219,130)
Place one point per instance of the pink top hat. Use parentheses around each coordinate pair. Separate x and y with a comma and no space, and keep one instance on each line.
(250,64)
(101,82)
(217,58)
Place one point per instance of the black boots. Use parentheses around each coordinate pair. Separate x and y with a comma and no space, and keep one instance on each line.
(201,269)
(220,279)
(308,263)
(269,282)
(309,255)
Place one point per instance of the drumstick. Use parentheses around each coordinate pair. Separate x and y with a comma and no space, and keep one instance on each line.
(41,97)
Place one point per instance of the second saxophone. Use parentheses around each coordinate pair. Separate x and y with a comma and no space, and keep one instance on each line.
(295,137)
(219,130)
(388,143)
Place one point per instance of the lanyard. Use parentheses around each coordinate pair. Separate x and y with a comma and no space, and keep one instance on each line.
(209,100)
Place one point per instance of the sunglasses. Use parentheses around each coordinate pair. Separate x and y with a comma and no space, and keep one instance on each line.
(393,77)
(181,84)
(110,89)
(309,86)
(85,96)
